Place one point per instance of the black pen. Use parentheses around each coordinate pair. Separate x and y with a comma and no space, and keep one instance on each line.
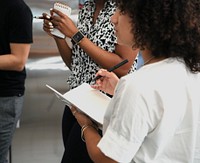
(42,17)
(113,68)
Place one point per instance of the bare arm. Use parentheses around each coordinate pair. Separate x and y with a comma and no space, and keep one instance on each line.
(92,138)
(107,59)
(17,59)
(64,51)
(102,57)
(62,45)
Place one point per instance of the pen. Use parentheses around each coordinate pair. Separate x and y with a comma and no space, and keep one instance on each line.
(113,68)
(42,17)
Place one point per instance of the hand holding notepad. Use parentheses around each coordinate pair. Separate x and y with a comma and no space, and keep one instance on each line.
(88,100)
(65,9)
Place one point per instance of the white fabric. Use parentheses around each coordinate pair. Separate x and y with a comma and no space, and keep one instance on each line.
(153,115)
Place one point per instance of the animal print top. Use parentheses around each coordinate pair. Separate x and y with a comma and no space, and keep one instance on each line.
(83,68)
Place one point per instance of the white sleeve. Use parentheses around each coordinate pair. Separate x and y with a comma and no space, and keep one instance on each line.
(128,124)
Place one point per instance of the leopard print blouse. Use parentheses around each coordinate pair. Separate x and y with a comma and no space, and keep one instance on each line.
(83,68)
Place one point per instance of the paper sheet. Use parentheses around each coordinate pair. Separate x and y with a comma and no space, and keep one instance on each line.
(88,100)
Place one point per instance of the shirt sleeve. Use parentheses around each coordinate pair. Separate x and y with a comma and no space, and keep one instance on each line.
(20,24)
(128,124)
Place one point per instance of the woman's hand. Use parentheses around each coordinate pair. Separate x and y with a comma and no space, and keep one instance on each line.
(81,118)
(63,23)
(107,82)
(47,24)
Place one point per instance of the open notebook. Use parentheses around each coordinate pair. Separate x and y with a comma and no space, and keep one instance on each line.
(88,100)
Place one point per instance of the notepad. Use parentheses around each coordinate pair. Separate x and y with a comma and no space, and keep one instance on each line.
(88,100)
(65,9)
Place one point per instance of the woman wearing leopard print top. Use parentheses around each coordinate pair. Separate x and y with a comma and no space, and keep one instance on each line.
(97,49)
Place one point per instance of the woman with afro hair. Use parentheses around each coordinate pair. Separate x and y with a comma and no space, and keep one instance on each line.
(154,115)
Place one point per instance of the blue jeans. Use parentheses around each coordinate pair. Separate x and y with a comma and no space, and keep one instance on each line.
(10,112)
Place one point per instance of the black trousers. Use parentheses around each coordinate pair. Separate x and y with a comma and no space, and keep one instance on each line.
(75,149)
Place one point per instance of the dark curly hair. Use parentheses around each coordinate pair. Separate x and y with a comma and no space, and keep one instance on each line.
(169,28)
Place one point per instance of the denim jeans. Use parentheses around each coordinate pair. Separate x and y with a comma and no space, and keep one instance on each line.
(10,112)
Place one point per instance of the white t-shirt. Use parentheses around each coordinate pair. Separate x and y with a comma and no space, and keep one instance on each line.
(153,115)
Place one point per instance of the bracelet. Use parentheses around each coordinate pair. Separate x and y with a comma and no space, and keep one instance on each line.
(84,127)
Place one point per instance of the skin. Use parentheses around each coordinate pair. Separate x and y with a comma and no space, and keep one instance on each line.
(109,80)
(107,83)
(91,136)
(17,59)
(123,29)
(106,60)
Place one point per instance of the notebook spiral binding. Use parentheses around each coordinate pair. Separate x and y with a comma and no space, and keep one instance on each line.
(62,5)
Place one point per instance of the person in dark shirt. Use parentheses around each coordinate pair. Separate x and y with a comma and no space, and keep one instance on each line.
(15,41)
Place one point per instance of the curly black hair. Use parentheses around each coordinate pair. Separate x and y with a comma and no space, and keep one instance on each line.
(169,28)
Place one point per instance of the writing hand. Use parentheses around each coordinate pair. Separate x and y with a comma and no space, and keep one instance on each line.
(107,82)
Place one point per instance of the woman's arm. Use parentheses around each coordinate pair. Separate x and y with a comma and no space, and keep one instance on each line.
(102,57)
(107,59)
(91,138)
(107,82)
(63,47)
(64,50)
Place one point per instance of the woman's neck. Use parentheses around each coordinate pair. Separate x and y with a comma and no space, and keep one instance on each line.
(99,3)
(146,55)
(149,58)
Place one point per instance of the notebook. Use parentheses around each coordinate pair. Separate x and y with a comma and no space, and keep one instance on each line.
(88,100)
(65,9)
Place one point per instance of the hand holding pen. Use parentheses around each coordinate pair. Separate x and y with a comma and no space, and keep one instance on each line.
(113,68)
(42,17)
(106,80)
(47,24)
(60,21)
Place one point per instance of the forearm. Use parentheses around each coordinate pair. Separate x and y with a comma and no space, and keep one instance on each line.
(64,51)
(99,55)
(11,62)
(16,60)
(107,59)
(90,135)
(92,138)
